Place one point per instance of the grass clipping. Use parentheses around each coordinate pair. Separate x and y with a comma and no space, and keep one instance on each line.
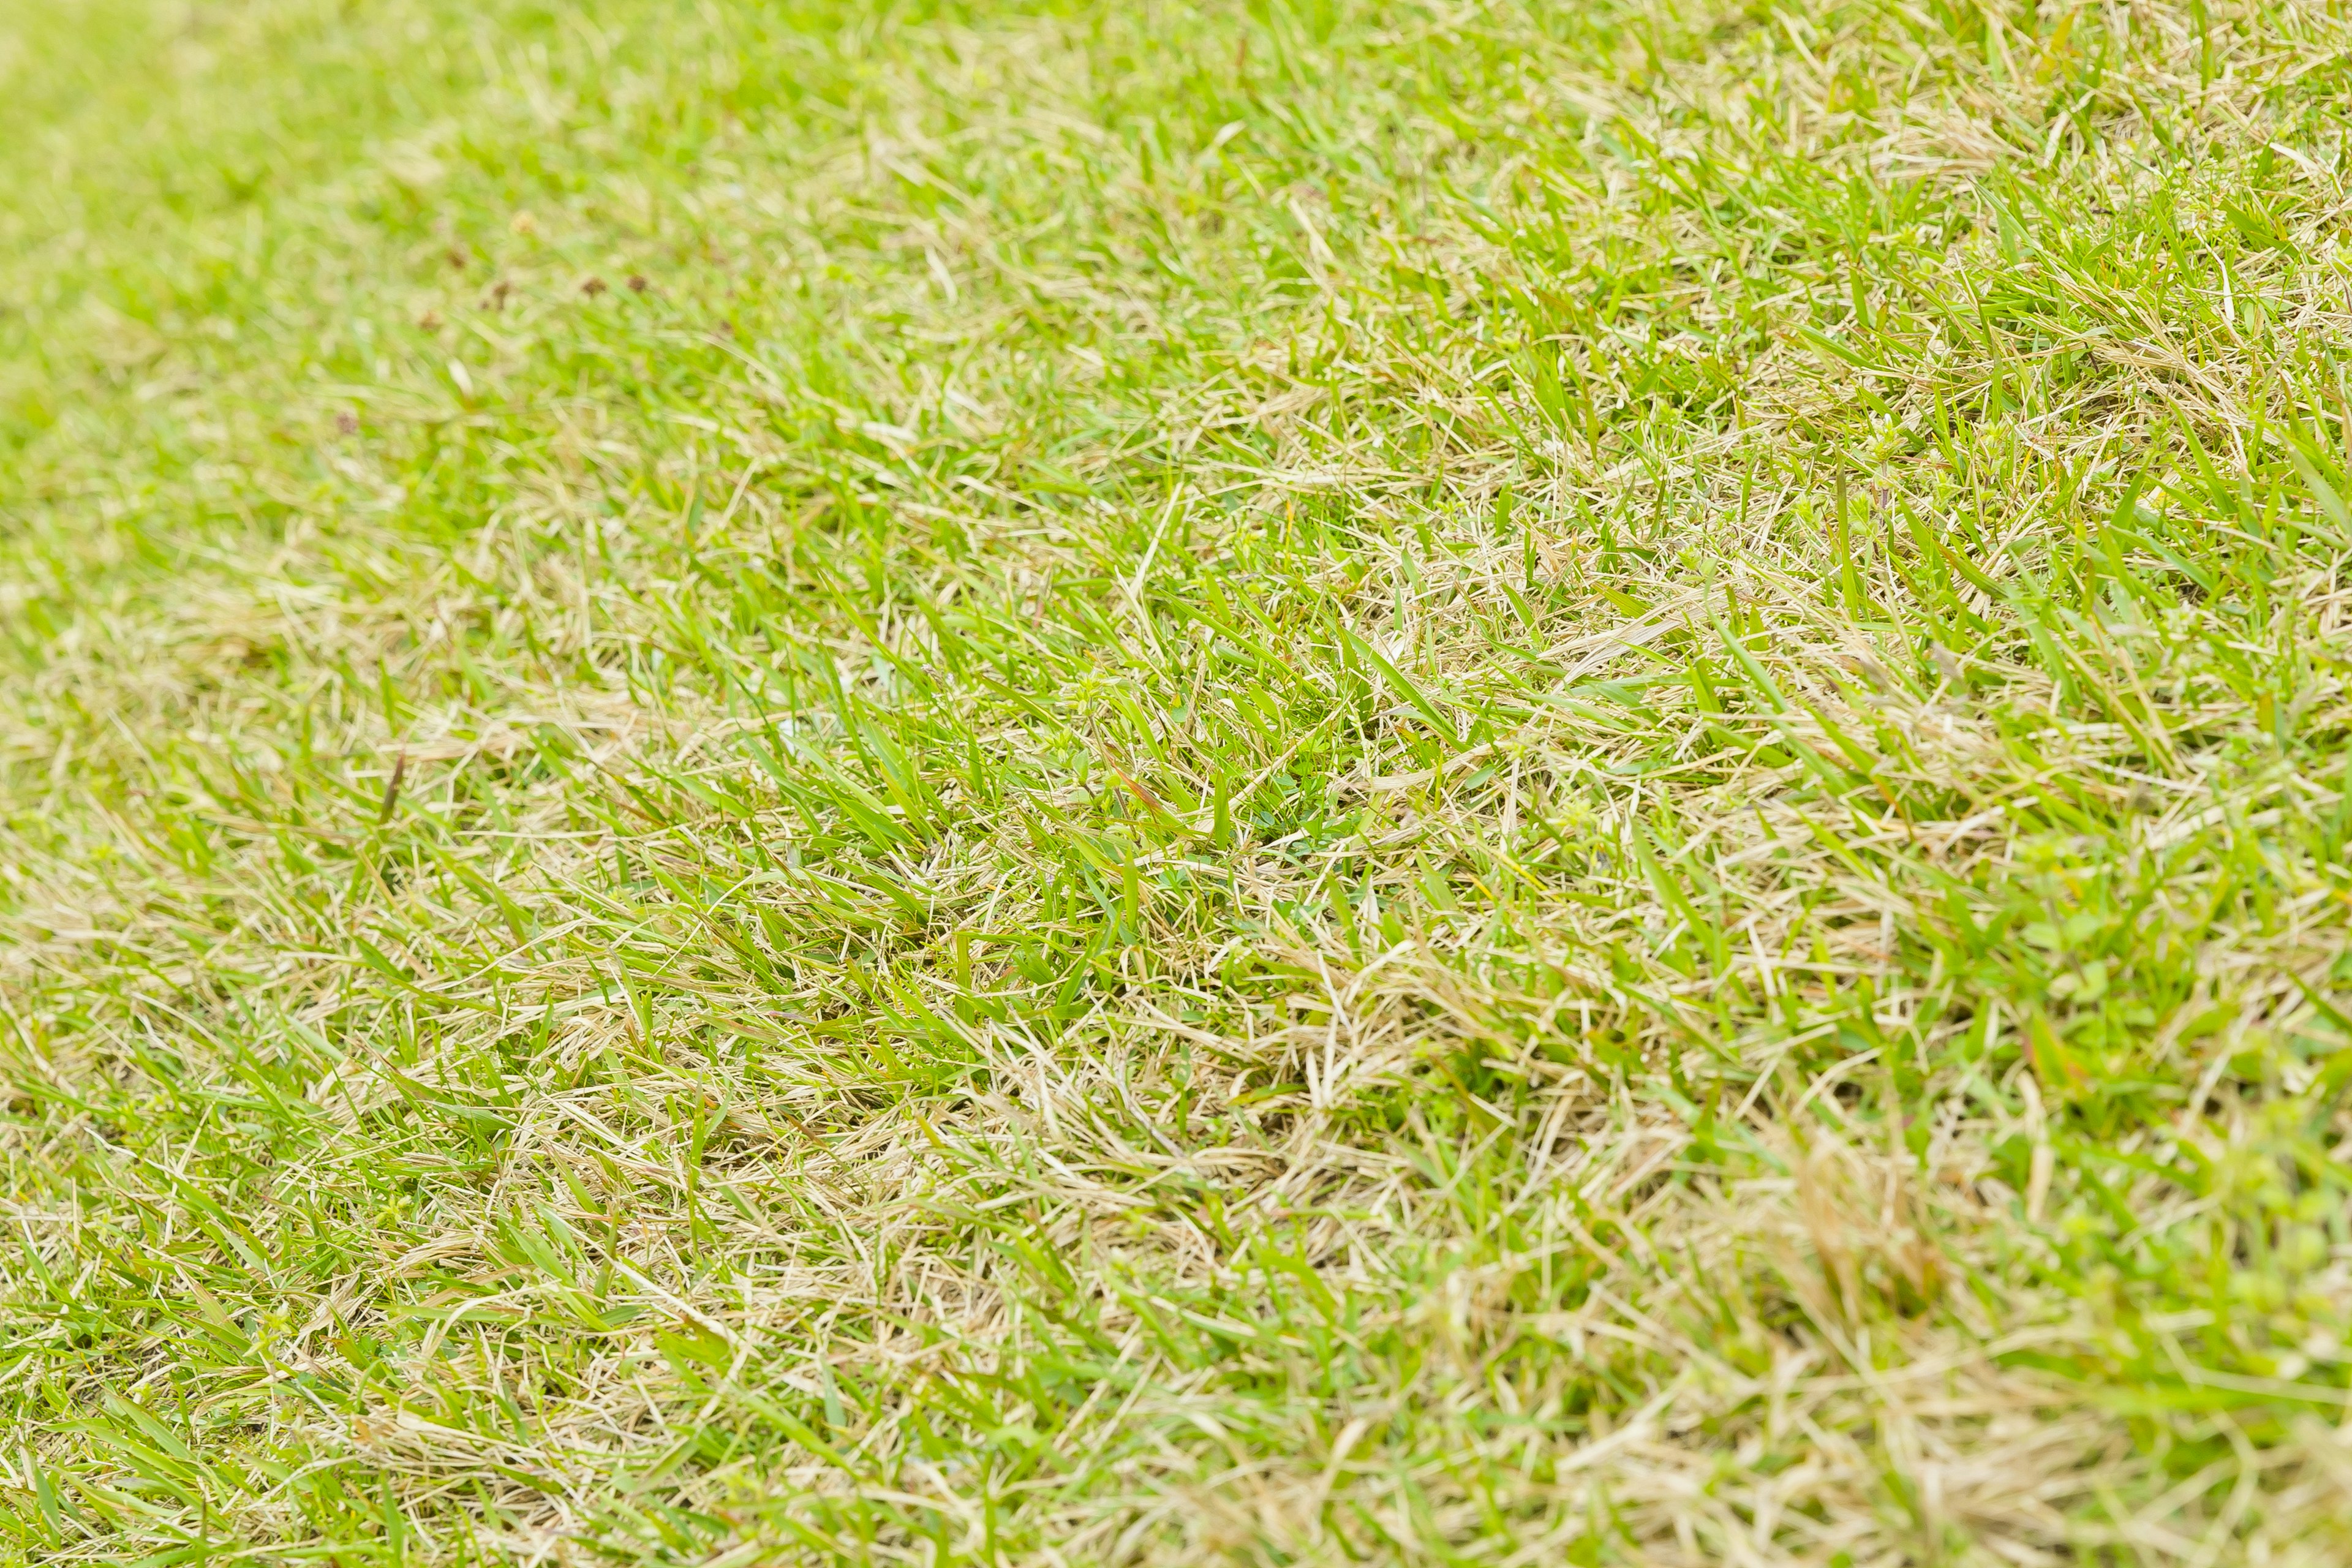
(1494,784)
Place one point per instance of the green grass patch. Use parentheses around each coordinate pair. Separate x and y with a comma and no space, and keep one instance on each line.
(1066,784)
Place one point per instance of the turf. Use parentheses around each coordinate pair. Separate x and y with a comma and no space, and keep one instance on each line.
(914,784)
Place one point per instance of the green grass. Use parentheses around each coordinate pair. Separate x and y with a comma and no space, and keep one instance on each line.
(1505,784)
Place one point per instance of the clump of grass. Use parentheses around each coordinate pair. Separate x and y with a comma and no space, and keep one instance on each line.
(1098,784)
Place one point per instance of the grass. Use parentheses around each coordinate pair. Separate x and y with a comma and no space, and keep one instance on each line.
(1505,784)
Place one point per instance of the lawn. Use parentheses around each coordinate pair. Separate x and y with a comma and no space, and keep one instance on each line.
(1530,782)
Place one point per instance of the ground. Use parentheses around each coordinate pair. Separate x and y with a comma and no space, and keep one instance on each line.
(1504,783)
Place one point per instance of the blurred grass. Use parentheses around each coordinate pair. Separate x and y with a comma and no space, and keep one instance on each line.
(1289,784)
